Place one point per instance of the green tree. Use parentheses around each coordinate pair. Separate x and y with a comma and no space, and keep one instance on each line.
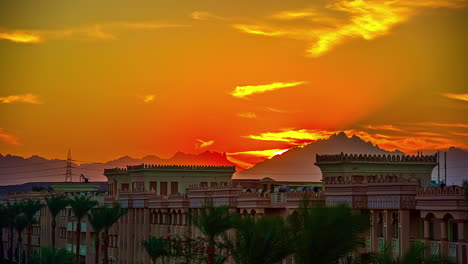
(3,224)
(20,224)
(213,222)
(80,206)
(465,188)
(414,255)
(110,217)
(265,240)
(157,248)
(51,255)
(55,203)
(326,234)
(12,211)
(95,219)
(30,208)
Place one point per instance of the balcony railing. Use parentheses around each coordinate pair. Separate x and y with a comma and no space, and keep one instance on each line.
(435,247)
(396,246)
(452,250)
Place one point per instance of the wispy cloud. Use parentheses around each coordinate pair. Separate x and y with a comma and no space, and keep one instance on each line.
(267,153)
(383,127)
(8,138)
(20,37)
(104,31)
(366,20)
(276,110)
(20,98)
(461,97)
(248,115)
(243,91)
(205,144)
(430,124)
(203,15)
(149,98)
(298,137)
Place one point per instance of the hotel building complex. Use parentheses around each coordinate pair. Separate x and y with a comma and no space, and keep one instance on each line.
(392,189)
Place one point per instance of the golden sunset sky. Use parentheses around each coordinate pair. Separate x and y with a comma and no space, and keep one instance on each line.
(249,78)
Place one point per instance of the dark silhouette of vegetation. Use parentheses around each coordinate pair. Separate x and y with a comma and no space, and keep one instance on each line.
(80,206)
(95,219)
(30,209)
(20,224)
(51,255)
(465,188)
(157,248)
(12,211)
(3,224)
(326,234)
(263,240)
(55,203)
(110,216)
(414,255)
(213,222)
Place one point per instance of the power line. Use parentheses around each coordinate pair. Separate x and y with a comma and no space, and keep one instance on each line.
(18,172)
(33,164)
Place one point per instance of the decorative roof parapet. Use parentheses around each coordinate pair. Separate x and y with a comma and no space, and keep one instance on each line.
(376,158)
(171,167)
(230,185)
(305,194)
(441,191)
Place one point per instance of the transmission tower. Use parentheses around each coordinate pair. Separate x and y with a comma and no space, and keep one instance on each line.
(68,174)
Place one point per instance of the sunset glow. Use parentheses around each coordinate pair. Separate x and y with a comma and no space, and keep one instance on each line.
(110,79)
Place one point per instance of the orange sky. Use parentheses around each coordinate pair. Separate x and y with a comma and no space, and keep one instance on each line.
(250,78)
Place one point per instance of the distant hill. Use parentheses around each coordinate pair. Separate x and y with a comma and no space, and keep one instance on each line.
(18,170)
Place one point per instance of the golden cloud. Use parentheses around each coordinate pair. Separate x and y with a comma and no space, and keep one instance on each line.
(267,153)
(461,97)
(95,31)
(298,137)
(204,144)
(367,20)
(20,37)
(243,91)
(22,98)
(459,125)
(383,127)
(149,98)
(8,138)
(248,115)
(202,15)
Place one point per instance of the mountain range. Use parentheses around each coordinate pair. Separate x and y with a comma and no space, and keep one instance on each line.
(296,164)
(18,170)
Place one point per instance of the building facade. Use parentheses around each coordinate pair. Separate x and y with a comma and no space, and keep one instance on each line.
(392,190)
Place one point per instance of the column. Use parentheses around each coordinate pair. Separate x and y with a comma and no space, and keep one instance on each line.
(404,231)
(461,239)
(387,224)
(374,231)
(443,237)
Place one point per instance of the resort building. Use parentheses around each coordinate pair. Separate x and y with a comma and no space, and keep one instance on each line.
(392,190)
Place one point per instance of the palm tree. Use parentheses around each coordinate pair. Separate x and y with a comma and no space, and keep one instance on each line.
(55,203)
(30,208)
(3,224)
(266,240)
(12,211)
(326,234)
(95,219)
(213,222)
(51,255)
(465,188)
(80,206)
(20,224)
(414,255)
(110,217)
(156,248)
